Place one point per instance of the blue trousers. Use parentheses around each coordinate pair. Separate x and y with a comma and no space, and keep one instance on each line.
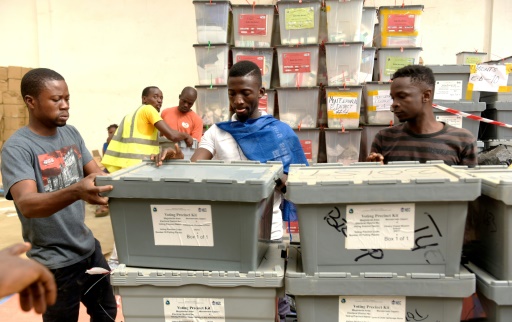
(73,287)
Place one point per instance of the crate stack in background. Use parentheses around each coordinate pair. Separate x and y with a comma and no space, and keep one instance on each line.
(193,241)
(213,22)
(498,106)
(489,248)
(380,242)
(297,51)
(13,112)
(253,27)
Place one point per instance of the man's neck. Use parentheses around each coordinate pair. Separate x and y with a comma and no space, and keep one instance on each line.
(424,126)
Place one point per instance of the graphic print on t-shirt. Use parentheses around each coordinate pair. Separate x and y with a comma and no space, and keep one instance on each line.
(60,168)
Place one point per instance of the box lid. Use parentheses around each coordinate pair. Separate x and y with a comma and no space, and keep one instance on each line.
(385,284)
(499,292)
(461,106)
(240,181)
(471,52)
(402,8)
(449,69)
(371,182)
(270,274)
(496,182)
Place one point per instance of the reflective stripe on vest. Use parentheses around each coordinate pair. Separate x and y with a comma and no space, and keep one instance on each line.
(127,151)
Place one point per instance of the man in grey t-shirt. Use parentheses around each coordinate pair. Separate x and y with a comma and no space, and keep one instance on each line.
(49,173)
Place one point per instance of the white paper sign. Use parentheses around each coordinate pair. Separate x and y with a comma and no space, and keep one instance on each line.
(341,104)
(448,90)
(453,120)
(371,308)
(380,226)
(182,225)
(194,310)
(488,78)
(383,101)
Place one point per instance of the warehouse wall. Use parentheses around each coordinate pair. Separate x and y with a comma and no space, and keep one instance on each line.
(108,51)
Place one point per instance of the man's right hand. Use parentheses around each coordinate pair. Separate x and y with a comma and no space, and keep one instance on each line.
(90,193)
(375,157)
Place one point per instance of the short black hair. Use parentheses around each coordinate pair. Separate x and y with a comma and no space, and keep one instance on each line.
(115,126)
(418,74)
(246,68)
(34,81)
(145,91)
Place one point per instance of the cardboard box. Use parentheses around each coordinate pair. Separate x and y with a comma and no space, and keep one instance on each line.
(3,73)
(11,97)
(13,123)
(14,72)
(17,110)
(14,85)
(4,85)
(24,70)
(7,134)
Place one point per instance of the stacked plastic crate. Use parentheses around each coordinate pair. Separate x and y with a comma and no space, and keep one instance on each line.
(498,107)
(252,33)
(193,240)
(297,65)
(213,20)
(490,257)
(345,58)
(380,243)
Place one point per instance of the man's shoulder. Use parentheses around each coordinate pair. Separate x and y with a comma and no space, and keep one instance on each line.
(169,110)
(457,130)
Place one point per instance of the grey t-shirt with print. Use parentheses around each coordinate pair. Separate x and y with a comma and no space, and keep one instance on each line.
(53,162)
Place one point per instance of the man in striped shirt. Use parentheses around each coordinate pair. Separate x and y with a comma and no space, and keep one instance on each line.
(420,137)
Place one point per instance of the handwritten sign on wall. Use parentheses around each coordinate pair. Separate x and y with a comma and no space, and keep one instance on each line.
(488,78)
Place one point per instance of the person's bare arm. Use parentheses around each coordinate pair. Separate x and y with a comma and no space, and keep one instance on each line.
(172,134)
(33,281)
(201,154)
(33,204)
(92,167)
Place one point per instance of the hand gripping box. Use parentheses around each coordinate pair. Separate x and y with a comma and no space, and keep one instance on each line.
(398,218)
(169,295)
(198,216)
(492,219)
(333,297)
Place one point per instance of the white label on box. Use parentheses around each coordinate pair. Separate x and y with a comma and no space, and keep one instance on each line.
(194,310)
(182,225)
(448,90)
(371,308)
(488,78)
(342,102)
(380,226)
(453,120)
(383,101)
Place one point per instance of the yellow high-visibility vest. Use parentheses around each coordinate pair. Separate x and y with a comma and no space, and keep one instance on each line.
(129,147)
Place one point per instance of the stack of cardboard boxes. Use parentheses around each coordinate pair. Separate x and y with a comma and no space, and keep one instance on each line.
(13,112)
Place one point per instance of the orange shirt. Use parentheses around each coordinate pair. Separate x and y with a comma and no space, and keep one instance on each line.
(189,122)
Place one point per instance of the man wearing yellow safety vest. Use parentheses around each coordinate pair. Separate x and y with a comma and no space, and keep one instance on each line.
(136,138)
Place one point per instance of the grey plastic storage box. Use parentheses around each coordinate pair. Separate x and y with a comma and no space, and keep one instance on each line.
(501,112)
(199,216)
(459,121)
(495,295)
(493,221)
(156,295)
(328,297)
(452,84)
(490,97)
(429,201)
